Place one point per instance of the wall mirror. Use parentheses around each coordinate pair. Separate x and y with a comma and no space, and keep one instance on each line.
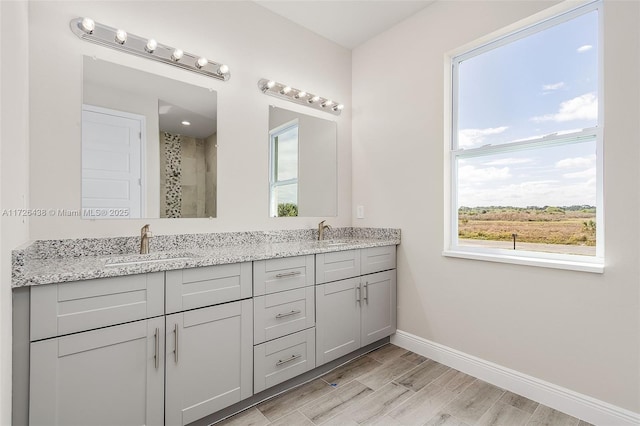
(302,165)
(149,145)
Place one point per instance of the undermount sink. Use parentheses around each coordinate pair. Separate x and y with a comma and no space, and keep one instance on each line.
(141,259)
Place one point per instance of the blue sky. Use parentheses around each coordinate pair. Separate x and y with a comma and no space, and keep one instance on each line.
(542,84)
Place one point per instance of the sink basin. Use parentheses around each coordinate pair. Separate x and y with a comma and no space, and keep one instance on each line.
(141,259)
(334,243)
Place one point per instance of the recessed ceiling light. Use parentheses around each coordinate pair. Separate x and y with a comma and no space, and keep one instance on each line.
(186,123)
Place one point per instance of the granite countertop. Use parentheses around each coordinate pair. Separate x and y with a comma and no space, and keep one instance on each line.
(38,266)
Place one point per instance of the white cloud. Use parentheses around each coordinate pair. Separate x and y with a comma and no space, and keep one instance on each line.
(584,48)
(471,174)
(583,107)
(576,162)
(589,173)
(554,86)
(507,161)
(471,138)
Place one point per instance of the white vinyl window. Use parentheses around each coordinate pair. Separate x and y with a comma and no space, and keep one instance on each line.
(526,146)
(283,142)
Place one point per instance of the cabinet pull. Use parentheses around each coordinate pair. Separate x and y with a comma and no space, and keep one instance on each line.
(366,292)
(291,358)
(175,340)
(156,348)
(359,294)
(296,312)
(288,274)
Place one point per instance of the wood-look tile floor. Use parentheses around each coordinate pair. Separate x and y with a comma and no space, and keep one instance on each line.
(392,386)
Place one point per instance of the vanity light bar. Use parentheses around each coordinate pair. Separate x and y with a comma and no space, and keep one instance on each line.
(282,91)
(89,30)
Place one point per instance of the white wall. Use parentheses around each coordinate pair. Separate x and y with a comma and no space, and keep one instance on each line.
(14,178)
(577,330)
(254,42)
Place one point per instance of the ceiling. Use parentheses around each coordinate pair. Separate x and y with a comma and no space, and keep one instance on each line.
(346,22)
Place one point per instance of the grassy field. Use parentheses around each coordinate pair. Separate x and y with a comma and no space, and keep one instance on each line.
(573,225)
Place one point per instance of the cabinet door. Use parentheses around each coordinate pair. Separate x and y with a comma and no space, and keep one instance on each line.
(110,376)
(209,355)
(337,319)
(378,306)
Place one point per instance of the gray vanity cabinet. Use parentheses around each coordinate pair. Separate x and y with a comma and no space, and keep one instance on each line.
(354,312)
(108,376)
(209,360)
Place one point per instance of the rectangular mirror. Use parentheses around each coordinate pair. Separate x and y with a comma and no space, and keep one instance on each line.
(302,165)
(149,145)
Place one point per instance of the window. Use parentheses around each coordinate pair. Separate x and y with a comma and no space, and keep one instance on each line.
(284,170)
(526,146)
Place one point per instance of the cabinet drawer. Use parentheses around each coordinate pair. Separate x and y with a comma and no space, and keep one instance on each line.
(273,275)
(206,286)
(59,309)
(376,259)
(337,265)
(279,314)
(283,359)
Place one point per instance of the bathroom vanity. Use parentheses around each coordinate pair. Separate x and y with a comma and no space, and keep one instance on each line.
(174,339)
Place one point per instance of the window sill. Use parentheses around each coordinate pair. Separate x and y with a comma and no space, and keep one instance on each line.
(596,268)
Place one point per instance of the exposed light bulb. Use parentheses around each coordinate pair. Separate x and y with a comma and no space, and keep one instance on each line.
(285,90)
(338,107)
(201,62)
(151,45)
(88,25)
(223,69)
(186,123)
(327,103)
(301,94)
(270,84)
(121,36)
(313,99)
(177,55)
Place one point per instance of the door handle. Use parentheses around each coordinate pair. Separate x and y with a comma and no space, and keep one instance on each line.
(366,292)
(288,274)
(175,340)
(296,312)
(280,361)
(156,348)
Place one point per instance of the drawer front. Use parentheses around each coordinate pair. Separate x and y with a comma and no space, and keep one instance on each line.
(376,259)
(274,275)
(283,359)
(337,265)
(210,285)
(59,309)
(279,314)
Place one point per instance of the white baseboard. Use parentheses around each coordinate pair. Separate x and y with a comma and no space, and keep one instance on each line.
(578,405)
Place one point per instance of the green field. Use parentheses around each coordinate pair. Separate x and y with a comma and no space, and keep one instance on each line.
(574,225)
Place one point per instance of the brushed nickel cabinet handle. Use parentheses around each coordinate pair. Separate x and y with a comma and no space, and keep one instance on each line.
(175,340)
(366,292)
(288,274)
(359,294)
(156,348)
(280,362)
(296,312)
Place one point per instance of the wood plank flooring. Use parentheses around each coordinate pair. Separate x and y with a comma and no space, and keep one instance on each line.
(392,386)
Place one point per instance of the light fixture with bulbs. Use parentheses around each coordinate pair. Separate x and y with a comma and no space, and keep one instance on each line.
(300,97)
(119,39)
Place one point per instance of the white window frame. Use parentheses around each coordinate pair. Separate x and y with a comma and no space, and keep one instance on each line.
(539,22)
(274,183)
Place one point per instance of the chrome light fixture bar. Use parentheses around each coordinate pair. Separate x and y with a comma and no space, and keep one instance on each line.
(89,30)
(300,97)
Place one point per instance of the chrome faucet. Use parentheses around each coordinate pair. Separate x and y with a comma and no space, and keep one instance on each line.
(321,228)
(145,234)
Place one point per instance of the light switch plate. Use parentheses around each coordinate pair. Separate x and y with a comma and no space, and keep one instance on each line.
(360,212)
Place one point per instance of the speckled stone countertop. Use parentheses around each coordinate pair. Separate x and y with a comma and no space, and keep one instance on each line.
(57,261)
